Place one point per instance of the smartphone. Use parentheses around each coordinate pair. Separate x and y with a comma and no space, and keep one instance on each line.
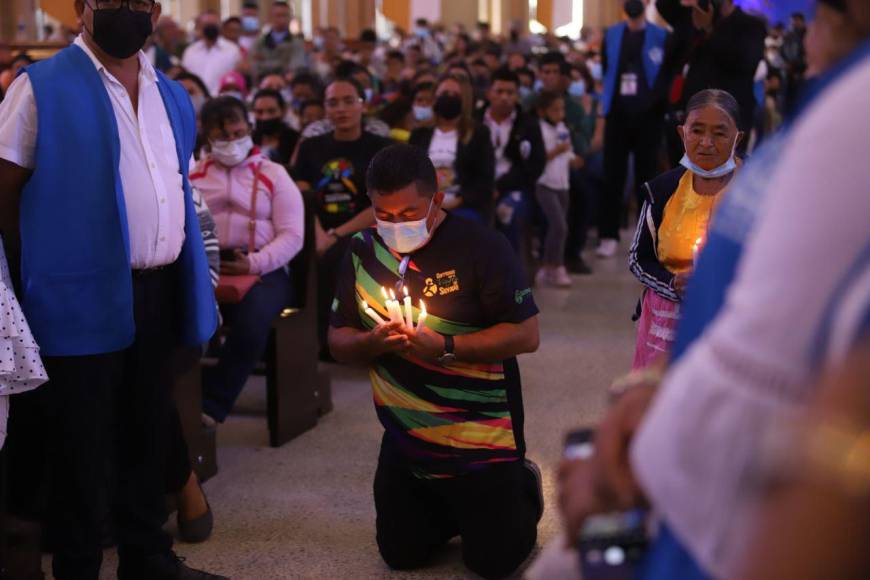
(611,546)
(228,255)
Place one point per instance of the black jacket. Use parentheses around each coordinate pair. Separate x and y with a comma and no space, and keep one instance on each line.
(525,170)
(643,258)
(474,166)
(726,59)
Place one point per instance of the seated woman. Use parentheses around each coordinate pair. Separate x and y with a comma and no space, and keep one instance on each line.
(674,220)
(232,175)
(272,135)
(460,150)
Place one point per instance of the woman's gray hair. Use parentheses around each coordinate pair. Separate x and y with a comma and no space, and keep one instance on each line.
(717,98)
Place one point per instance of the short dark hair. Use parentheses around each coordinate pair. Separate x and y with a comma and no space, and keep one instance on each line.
(281,4)
(271,94)
(368,35)
(250,4)
(305,78)
(232,20)
(552,57)
(186,76)
(396,55)
(546,98)
(219,111)
(311,103)
(505,74)
(397,167)
(422,87)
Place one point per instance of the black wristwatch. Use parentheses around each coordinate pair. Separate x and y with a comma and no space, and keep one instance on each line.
(448,356)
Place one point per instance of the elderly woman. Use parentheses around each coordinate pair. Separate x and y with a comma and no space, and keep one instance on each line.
(674,219)
(252,199)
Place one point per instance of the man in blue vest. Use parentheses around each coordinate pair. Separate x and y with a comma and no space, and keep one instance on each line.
(635,82)
(94,153)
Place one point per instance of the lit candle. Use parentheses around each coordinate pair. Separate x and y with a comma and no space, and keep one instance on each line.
(394,308)
(421,320)
(372,314)
(696,249)
(409,309)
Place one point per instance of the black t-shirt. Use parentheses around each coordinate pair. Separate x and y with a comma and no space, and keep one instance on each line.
(633,93)
(443,421)
(336,172)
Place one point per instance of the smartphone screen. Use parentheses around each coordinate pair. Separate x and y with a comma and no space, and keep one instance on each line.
(611,546)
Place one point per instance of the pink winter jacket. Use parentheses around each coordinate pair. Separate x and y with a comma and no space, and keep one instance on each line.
(280,217)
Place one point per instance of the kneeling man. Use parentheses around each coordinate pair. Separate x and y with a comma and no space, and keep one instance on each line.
(446,390)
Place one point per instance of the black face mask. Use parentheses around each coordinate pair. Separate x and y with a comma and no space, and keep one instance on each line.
(270,126)
(211,32)
(634,8)
(121,33)
(448,107)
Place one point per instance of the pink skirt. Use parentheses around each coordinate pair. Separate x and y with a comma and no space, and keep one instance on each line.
(656,329)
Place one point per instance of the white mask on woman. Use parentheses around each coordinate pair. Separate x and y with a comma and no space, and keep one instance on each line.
(231,153)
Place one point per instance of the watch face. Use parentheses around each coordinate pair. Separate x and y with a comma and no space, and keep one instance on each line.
(447,358)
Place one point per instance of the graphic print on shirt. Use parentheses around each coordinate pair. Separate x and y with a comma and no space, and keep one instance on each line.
(336,188)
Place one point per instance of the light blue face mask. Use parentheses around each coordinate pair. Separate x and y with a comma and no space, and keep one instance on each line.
(370,94)
(539,84)
(405,237)
(596,70)
(577,89)
(423,114)
(525,93)
(721,171)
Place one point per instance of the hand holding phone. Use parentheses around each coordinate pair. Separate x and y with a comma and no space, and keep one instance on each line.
(610,545)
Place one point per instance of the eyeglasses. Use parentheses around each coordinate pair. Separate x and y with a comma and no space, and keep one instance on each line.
(134,5)
(346,101)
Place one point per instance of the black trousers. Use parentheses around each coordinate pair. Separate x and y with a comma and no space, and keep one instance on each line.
(623,135)
(104,423)
(494,511)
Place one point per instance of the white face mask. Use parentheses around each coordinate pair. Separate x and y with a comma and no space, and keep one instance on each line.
(715,173)
(405,237)
(231,153)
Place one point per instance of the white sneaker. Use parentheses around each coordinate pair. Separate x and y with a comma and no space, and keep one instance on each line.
(560,278)
(542,277)
(607,248)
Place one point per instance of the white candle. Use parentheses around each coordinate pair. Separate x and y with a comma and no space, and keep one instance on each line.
(372,314)
(409,309)
(394,308)
(421,320)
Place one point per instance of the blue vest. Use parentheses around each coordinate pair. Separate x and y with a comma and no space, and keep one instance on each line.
(77,290)
(653,56)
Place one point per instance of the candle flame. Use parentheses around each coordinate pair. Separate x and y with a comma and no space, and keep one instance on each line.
(392,294)
(405,290)
(384,292)
(365,305)
(422,307)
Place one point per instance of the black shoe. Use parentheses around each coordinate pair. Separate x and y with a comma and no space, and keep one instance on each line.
(538,490)
(578,266)
(168,567)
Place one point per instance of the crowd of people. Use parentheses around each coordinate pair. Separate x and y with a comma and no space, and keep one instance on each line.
(461,169)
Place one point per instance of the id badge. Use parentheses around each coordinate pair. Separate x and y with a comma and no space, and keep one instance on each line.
(628,85)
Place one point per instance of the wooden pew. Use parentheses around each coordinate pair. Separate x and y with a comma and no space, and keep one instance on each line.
(297,392)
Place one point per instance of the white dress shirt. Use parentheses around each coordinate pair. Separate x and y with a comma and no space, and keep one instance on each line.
(557,173)
(150,177)
(211,64)
(501,135)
